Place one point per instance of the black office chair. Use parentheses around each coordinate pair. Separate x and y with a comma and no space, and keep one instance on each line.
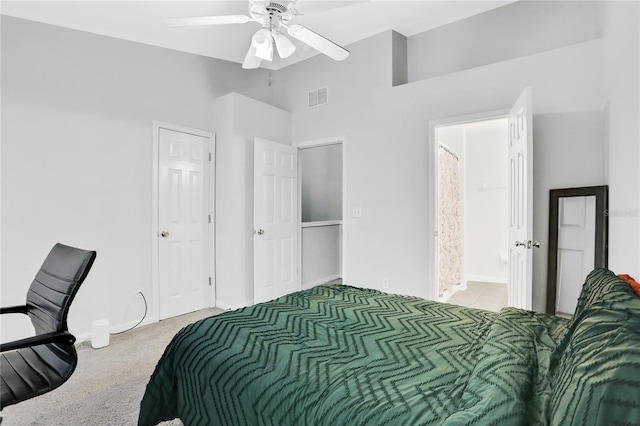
(36,365)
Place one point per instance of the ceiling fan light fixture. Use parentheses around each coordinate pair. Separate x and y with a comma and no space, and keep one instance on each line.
(261,41)
(274,16)
(284,45)
(251,61)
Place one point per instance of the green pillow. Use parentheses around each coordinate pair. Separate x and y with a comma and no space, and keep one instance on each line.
(596,378)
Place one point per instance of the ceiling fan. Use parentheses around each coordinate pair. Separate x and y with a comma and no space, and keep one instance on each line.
(274,16)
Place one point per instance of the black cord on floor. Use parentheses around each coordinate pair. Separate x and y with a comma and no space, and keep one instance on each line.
(139,322)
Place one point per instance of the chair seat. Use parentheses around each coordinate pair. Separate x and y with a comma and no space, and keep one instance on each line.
(32,371)
(35,365)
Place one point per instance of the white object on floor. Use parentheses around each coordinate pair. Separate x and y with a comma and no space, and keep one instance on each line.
(100,334)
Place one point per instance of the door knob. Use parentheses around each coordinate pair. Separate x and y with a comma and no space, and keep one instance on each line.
(528,244)
(164,234)
(260,231)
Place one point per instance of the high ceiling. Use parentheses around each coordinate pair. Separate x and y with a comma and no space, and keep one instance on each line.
(344,22)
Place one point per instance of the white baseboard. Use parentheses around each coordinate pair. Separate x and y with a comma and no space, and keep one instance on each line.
(307,286)
(83,337)
(232,306)
(485,279)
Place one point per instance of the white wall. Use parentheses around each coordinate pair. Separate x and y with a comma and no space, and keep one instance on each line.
(321,182)
(321,254)
(1,290)
(621,39)
(518,29)
(388,157)
(77,122)
(238,120)
(576,161)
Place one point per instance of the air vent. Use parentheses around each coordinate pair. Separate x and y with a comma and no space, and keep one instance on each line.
(318,97)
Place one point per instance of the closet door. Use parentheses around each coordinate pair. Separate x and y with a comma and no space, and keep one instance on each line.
(183,219)
(275,220)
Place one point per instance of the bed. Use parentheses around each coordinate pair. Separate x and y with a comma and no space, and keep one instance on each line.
(339,355)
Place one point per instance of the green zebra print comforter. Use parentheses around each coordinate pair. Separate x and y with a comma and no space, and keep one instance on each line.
(339,355)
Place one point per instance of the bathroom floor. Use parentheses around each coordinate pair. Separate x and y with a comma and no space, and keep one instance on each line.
(481,295)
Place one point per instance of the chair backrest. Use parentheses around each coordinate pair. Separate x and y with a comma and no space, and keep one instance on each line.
(55,286)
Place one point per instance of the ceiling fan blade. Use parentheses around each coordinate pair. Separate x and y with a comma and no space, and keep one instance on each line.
(315,40)
(251,61)
(207,20)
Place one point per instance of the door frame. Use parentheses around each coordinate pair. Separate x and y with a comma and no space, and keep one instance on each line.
(432,190)
(155,230)
(312,144)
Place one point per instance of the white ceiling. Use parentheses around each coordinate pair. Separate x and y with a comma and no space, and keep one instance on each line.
(344,22)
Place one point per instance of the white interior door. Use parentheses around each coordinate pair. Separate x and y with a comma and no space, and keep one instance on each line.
(576,249)
(183,220)
(520,202)
(275,220)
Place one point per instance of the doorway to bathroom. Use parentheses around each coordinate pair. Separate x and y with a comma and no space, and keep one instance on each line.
(472,213)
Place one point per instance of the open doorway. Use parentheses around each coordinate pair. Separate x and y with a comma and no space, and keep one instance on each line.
(472,200)
(320,171)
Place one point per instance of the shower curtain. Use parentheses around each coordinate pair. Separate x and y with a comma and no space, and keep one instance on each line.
(449,220)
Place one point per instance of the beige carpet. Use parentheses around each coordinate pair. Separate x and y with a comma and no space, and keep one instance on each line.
(108,383)
(481,295)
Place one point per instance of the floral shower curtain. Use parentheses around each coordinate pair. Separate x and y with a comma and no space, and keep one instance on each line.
(449,221)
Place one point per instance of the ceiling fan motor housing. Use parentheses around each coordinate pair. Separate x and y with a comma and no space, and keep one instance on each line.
(282,10)
(277,7)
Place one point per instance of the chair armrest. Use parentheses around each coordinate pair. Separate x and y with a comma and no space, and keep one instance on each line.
(54,337)
(14,310)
